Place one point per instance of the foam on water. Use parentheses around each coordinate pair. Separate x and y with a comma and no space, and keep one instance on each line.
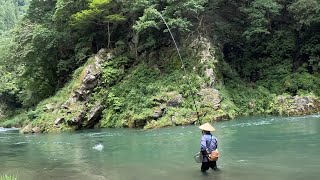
(18,143)
(104,134)
(98,147)
(8,129)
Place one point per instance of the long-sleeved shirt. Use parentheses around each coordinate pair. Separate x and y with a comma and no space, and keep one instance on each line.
(209,142)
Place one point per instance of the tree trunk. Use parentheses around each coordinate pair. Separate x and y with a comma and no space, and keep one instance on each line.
(109,35)
(296,61)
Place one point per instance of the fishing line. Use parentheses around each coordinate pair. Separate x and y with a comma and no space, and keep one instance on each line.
(183,66)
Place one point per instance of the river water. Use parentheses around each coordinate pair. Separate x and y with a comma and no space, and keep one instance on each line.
(285,148)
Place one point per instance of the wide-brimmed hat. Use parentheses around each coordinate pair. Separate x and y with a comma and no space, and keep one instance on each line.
(207,127)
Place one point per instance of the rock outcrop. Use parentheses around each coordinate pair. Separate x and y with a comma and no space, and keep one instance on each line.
(26,129)
(210,98)
(175,100)
(31,129)
(206,51)
(94,116)
(75,110)
(296,105)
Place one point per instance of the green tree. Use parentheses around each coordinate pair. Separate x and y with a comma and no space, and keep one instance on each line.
(260,14)
(151,31)
(36,45)
(41,11)
(8,15)
(306,15)
(101,15)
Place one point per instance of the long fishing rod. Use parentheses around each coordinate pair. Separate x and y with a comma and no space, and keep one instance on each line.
(184,68)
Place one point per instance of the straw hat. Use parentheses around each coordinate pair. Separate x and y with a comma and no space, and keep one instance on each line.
(206,127)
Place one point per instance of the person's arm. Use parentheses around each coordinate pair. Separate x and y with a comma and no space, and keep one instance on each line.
(203,145)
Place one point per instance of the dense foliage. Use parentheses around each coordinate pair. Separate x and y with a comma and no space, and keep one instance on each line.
(6,177)
(270,47)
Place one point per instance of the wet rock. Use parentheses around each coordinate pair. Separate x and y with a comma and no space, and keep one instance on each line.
(76,103)
(27,129)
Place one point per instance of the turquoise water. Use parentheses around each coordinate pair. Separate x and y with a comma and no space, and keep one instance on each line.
(251,148)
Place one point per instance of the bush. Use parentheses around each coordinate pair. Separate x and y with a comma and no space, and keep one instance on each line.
(6,177)
(135,95)
(303,81)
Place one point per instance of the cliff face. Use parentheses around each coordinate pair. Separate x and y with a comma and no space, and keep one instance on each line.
(89,101)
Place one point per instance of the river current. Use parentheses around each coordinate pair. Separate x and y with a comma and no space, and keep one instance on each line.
(251,148)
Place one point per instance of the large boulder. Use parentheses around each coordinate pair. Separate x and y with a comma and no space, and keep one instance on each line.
(78,119)
(90,78)
(94,116)
(30,129)
(175,99)
(27,129)
(158,113)
(36,130)
(210,98)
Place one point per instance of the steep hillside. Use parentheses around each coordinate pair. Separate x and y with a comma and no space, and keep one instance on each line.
(105,63)
(112,90)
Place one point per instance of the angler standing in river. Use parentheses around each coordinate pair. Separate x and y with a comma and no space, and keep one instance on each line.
(209,145)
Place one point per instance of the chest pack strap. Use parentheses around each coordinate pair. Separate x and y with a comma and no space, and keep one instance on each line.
(211,141)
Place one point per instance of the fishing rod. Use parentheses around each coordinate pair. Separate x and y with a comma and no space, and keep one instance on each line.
(183,66)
